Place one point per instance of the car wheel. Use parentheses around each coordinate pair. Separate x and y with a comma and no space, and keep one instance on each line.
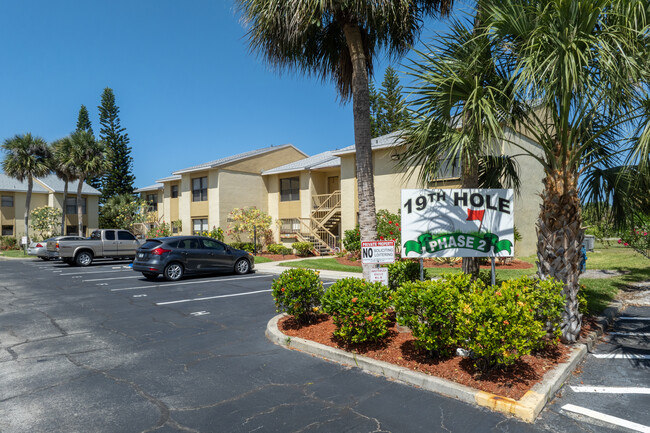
(150,275)
(84,258)
(242,267)
(173,272)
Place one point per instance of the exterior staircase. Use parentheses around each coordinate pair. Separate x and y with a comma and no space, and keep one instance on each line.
(320,228)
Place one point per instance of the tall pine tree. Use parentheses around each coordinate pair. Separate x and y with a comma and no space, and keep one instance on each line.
(83,124)
(119,178)
(387,113)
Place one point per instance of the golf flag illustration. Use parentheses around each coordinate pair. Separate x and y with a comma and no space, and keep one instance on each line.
(457,222)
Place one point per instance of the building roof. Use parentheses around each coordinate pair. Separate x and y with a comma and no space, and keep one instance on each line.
(234,158)
(383,142)
(322,160)
(169,179)
(54,184)
(10,184)
(154,187)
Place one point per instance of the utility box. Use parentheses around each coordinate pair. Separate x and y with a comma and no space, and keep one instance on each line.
(589,242)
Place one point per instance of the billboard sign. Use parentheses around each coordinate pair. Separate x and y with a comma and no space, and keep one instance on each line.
(457,223)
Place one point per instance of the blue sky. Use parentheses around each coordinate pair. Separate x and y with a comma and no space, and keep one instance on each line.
(188,88)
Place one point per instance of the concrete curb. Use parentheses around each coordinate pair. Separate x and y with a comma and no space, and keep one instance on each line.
(527,408)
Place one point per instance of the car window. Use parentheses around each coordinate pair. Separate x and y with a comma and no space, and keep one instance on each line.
(109,235)
(212,244)
(151,244)
(172,244)
(125,236)
(189,244)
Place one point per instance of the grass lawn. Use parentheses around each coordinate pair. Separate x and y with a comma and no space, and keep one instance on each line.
(13,253)
(598,291)
(259,259)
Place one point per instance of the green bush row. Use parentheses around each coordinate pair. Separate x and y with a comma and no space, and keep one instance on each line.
(279,249)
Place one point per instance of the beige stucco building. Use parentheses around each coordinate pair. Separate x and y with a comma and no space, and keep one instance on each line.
(47,191)
(315,198)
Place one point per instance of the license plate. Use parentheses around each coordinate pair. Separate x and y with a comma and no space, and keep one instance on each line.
(140,255)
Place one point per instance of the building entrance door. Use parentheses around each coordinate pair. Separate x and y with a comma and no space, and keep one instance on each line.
(333,184)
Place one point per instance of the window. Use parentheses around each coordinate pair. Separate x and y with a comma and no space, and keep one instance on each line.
(71,205)
(290,189)
(72,230)
(7,201)
(109,235)
(152,200)
(7,230)
(174,191)
(125,236)
(200,189)
(213,245)
(200,225)
(449,168)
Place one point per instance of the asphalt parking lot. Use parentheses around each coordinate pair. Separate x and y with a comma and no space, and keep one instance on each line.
(101,349)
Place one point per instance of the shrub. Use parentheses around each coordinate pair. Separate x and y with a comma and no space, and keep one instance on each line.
(358,309)
(352,241)
(298,292)
(8,242)
(548,301)
(244,222)
(500,324)
(279,249)
(402,271)
(160,231)
(246,246)
(388,226)
(215,233)
(303,249)
(429,309)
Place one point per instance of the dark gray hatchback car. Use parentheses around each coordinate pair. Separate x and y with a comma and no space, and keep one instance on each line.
(179,255)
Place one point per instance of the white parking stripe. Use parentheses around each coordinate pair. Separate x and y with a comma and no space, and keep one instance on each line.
(170,284)
(631,334)
(610,389)
(213,297)
(95,272)
(606,418)
(116,278)
(634,318)
(620,356)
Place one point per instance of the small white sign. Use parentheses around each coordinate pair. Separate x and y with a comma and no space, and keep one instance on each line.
(23,240)
(378,252)
(379,275)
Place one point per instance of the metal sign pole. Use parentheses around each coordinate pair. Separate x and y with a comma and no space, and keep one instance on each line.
(493,271)
(421,269)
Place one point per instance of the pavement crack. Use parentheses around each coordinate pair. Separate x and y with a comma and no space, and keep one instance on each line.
(442,420)
(53,322)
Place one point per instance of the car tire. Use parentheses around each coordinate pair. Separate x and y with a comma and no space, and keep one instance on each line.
(173,271)
(44,258)
(84,258)
(150,275)
(242,266)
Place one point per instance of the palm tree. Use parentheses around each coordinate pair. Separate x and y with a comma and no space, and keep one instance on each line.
(460,110)
(63,171)
(337,41)
(26,157)
(582,64)
(85,157)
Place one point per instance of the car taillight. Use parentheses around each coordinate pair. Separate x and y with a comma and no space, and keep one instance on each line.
(38,245)
(57,245)
(159,251)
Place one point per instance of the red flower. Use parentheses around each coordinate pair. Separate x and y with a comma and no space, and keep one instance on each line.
(505,322)
(369,318)
(390,222)
(282,289)
(354,300)
(620,240)
(381,237)
(396,225)
(498,293)
(626,244)
(391,233)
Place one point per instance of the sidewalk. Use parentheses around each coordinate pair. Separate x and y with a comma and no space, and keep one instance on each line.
(275,268)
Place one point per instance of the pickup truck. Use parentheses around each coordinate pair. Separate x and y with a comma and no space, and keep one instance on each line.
(101,243)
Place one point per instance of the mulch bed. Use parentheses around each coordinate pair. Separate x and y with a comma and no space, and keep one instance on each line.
(428,263)
(278,257)
(399,349)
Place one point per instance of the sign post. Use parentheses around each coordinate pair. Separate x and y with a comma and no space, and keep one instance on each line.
(458,223)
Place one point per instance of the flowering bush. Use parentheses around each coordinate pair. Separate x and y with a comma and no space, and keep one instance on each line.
(215,233)
(160,231)
(638,239)
(303,249)
(298,292)
(389,226)
(247,220)
(45,220)
(358,309)
(352,241)
(402,271)
(429,309)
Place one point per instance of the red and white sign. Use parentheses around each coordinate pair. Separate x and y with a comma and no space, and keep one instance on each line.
(378,252)
(379,275)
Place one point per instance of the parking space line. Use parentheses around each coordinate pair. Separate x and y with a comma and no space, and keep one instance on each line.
(115,278)
(170,284)
(606,418)
(610,389)
(634,318)
(620,356)
(96,272)
(630,334)
(212,297)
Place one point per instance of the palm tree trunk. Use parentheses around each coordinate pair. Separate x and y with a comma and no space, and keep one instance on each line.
(65,198)
(28,200)
(80,222)
(362,137)
(559,239)
(469,167)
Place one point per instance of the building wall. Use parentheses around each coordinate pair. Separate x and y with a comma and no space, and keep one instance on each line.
(266,161)
(238,190)
(184,201)
(349,199)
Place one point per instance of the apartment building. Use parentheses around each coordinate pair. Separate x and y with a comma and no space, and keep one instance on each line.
(47,191)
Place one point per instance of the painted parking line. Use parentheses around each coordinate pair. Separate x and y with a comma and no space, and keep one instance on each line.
(199,313)
(181,301)
(611,389)
(112,278)
(170,284)
(642,319)
(630,334)
(95,272)
(620,356)
(606,418)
